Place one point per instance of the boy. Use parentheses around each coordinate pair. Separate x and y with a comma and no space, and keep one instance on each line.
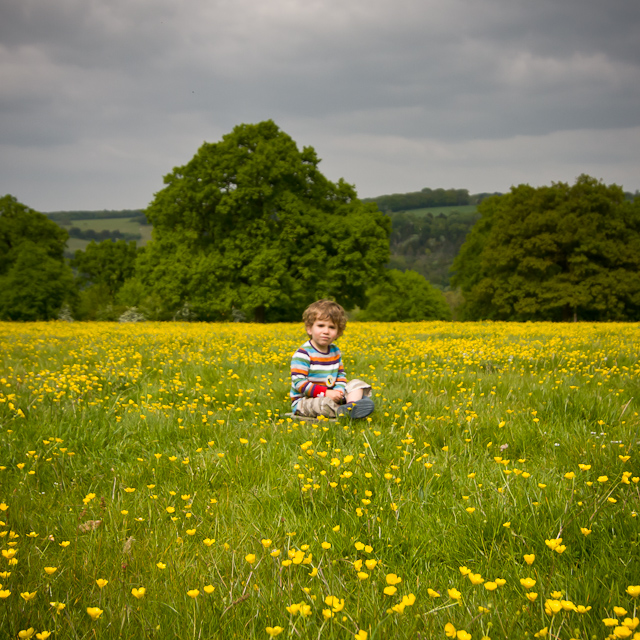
(319,386)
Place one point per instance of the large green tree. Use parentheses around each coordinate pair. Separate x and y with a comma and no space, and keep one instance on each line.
(35,281)
(405,297)
(251,226)
(557,252)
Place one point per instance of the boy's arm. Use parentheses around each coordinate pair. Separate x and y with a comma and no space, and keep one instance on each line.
(341,379)
(300,376)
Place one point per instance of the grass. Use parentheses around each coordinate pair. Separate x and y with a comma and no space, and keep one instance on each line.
(106,224)
(161,454)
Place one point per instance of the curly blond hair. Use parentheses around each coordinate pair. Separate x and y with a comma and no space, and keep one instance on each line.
(325,310)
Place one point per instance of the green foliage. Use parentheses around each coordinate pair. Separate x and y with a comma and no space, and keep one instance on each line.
(108,263)
(424,198)
(250,224)
(405,297)
(35,282)
(428,242)
(553,253)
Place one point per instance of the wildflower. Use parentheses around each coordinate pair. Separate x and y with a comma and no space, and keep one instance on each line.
(362,575)
(266,543)
(603,479)
(633,590)
(585,531)
(326,545)
(432,593)
(193,593)
(490,586)
(610,622)
(250,558)
(570,476)
(371,564)
(101,582)
(463,635)
(161,565)
(527,583)
(631,623)
(27,597)
(464,571)
(531,596)
(94,612)
(475,578)
(450,630)
(361,635)
(393,579)
(209,589)
(335,604)
(129,489)
(208,541)
(58,606)
(43,635)
(4,594)
(622,632)
(274,631)
(50,570)
(454,594)
(26,633)
(529,558)
(542,633)
(138,593)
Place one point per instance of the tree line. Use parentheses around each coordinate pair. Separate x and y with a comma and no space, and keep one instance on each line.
(250,229)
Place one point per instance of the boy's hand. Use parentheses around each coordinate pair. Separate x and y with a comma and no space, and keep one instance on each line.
(335,394)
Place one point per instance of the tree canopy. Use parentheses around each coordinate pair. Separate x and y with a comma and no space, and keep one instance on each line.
(405,297)
(35,281)
(557,252)
(251,226)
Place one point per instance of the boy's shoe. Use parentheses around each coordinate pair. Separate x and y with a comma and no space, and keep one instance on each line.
(358,409)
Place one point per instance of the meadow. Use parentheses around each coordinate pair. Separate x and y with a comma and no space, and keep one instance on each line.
(151,485)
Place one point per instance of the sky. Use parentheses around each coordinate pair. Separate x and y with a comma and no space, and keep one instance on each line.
(99,99)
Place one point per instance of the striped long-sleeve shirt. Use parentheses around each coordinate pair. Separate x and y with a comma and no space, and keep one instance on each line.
(313,372)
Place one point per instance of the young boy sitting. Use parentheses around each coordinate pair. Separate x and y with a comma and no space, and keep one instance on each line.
(319,386)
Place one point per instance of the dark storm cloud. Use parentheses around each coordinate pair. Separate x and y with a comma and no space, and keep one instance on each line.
(133,87)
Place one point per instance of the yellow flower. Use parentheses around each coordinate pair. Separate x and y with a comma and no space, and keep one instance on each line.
(335,603)
(432,593)
(209,589)
(470,509)
(274,631)
(633,590)
(603,479)
(585,531)
(361,635)
(527,583)
(43,635)
(101,582)
(129,489)
(371,564)
(463,635)
(632,623)
(208,541)
(26,596)
(449,630)
(193,593)
(362,575)
(161,565)
(266,542)
(58,606)
(454,594)
(326,545)
(191,532)
(542,633)
(26,633)
(50,570)
(531,596)
(4,594)
(529,558)
(622,632)
(94,612)
(570,476)
(490,586)
(475,578)
(138,593)
(392,579)
(250,558)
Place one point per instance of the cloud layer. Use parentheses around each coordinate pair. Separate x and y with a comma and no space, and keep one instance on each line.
(98,100)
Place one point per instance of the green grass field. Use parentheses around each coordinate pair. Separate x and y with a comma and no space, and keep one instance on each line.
(151,485)
(106,224)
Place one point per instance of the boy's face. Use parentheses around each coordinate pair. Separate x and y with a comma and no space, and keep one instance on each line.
(322,333)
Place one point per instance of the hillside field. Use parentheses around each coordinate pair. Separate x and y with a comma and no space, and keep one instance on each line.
(151,485)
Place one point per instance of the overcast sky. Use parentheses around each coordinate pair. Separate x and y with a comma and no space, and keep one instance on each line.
(99,99)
